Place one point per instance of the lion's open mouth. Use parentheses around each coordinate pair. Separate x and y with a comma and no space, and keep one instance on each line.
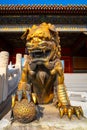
(40,53)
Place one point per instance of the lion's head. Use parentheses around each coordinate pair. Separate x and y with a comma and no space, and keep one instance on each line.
(42,42)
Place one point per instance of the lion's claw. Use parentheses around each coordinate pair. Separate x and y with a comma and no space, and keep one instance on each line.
(69,113)
(28,96)
(77,112)
(81,111)
(23,94)
(19,94)
(70,110)
(61,112)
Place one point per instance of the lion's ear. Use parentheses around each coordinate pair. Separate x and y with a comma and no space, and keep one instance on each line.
(25,34)
(55,35)
(53,31)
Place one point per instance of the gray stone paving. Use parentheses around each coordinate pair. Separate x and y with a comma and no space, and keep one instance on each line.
(48,119)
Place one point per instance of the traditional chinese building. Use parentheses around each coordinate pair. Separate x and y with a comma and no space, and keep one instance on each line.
(70,21)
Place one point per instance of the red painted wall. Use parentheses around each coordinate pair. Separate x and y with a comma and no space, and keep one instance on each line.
(68,64)
(65,51)
(13,56)
(68,60)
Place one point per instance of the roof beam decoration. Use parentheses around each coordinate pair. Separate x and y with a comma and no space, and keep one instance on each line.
(60,28)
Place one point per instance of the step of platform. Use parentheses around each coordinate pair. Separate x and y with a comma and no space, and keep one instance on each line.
(48,119)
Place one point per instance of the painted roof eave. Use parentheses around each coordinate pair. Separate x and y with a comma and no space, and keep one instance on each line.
(43,9)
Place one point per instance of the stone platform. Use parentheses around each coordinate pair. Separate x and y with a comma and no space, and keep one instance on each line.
(47,119)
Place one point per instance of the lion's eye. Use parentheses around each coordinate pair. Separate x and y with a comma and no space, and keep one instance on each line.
(29,45)
(42,44)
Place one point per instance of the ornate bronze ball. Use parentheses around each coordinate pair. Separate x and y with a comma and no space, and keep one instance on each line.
(24,112)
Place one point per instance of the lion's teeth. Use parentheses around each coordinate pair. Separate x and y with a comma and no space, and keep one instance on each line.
(37,51)
(44,51)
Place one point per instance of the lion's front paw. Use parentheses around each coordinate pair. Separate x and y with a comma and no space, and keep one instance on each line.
(70,110)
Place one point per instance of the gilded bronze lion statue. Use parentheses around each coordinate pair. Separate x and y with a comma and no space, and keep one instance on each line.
(43,71)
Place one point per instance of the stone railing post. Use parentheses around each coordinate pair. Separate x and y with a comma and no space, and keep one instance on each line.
(25,58)
(1,87)
(4,57)
(19,63)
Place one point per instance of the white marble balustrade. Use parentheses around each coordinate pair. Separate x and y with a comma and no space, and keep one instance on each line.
(9,75)
(76,84)
(13,78)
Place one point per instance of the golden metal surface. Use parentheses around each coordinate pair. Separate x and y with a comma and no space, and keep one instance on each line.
(34,97)
(43,70)
(24,111)
(13,101)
